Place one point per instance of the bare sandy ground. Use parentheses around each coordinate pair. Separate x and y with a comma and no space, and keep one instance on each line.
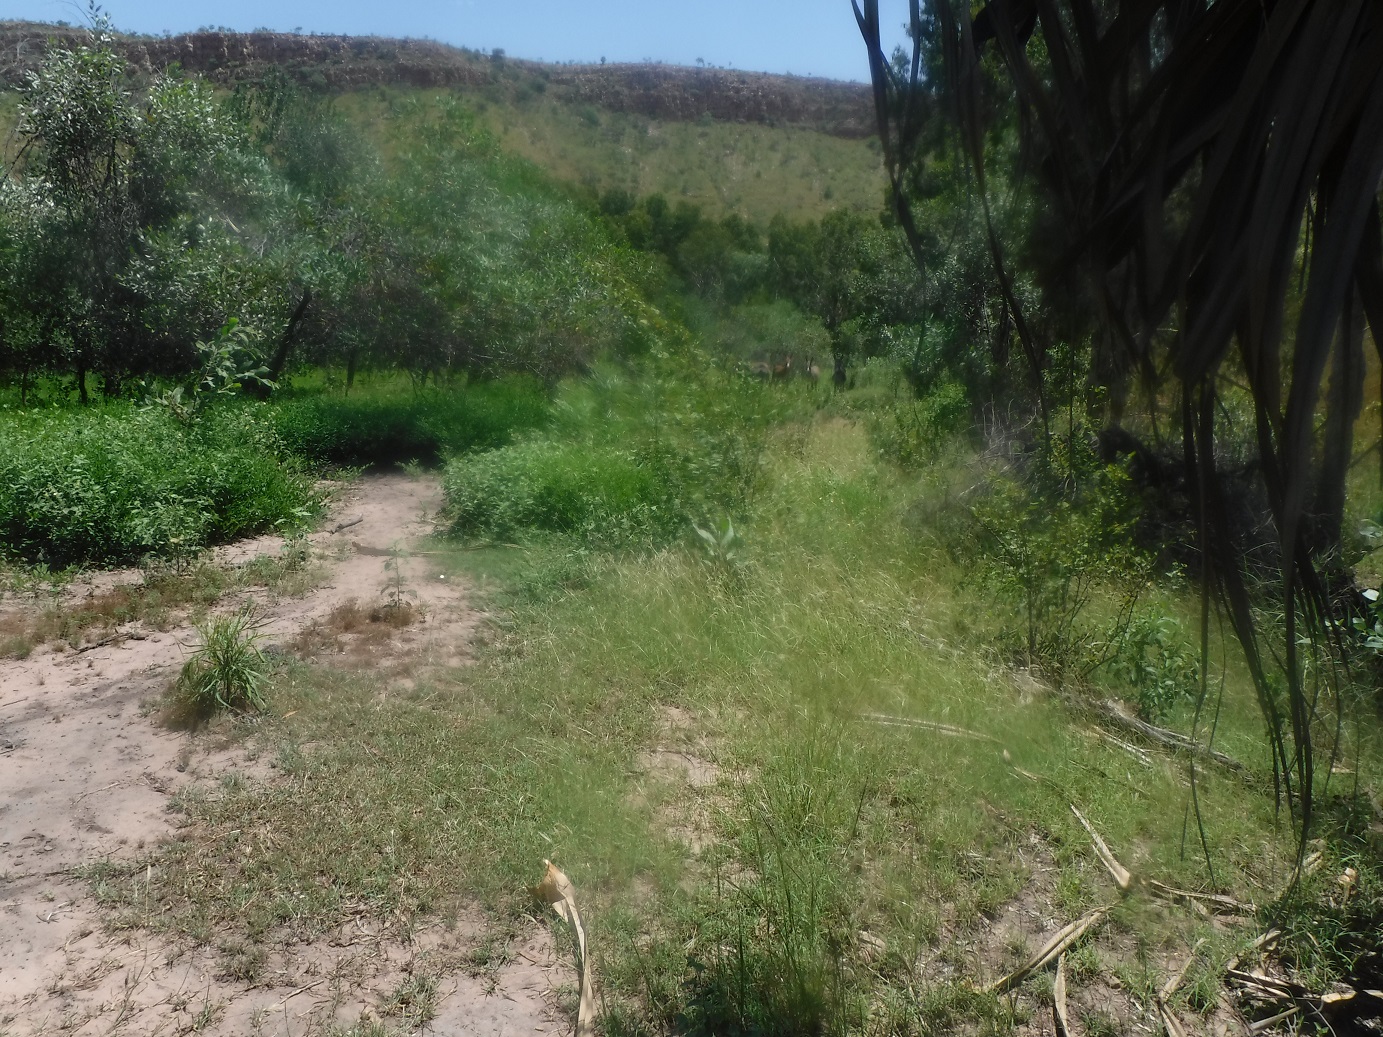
(86,772)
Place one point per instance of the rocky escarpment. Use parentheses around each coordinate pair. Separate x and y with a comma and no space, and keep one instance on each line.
(349,62)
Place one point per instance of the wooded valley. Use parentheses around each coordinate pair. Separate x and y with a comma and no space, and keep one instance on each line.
(911,555)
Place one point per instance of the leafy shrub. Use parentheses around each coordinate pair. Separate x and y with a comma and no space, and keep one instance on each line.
(227,671)
(625,458)
(1047,542)
(380,428)
(603,494)
(913,431)
(1150,653)
(117,484)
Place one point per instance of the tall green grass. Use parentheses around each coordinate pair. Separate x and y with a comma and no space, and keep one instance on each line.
(116,483)
(834,874)
(391,424)
(628,457)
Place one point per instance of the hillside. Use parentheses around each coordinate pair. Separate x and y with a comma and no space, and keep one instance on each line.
(753,143)
(347,62)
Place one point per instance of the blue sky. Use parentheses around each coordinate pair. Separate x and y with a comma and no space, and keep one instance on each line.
(805,37)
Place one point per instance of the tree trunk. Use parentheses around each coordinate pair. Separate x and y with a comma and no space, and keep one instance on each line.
(81,385)
(1344,402)
(285,348)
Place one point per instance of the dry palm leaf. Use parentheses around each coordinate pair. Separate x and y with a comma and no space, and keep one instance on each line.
(1065,937)
(1170,1022)
(1216,902)
(1060,1018)
(556,890)
(1120,873)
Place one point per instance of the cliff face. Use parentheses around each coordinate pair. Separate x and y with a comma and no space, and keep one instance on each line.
(348,62)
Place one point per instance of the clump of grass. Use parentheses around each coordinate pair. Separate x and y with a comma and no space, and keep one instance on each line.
(414,1000)
(156,600)
(391,425)
(227,671)
(357,629)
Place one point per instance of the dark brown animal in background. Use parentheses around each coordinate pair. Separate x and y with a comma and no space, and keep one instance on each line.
(771,370)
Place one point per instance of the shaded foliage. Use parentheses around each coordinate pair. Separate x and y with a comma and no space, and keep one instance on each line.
(1208,177)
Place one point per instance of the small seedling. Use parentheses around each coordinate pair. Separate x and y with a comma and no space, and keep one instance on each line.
(396,594)
(721,543)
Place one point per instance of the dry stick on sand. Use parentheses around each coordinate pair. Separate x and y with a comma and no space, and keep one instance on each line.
(1051,950)
(556,889)
(347,525)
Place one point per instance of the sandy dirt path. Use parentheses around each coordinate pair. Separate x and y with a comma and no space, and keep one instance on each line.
(86,772)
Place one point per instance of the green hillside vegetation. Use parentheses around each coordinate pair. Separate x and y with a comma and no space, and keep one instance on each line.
(755,171)
(816,599)
(748,169)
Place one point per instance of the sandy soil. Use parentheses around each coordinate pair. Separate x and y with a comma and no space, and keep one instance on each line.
(86,772)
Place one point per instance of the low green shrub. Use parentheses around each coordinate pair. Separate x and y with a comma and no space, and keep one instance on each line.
(913,431)
(603,494)
(1048,540)
(397,425)
(1150,653)
(626,458)
(118,483)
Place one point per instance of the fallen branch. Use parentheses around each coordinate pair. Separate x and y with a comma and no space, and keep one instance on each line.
(1331,1008)
(1172,985)
(1138,754)
(1170,1022)
(347,525)
(1271,1021)
(1266,940)
(1051,950)
(1112,712)
(1118,871)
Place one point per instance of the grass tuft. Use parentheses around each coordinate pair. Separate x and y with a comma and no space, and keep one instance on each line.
(227,671)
